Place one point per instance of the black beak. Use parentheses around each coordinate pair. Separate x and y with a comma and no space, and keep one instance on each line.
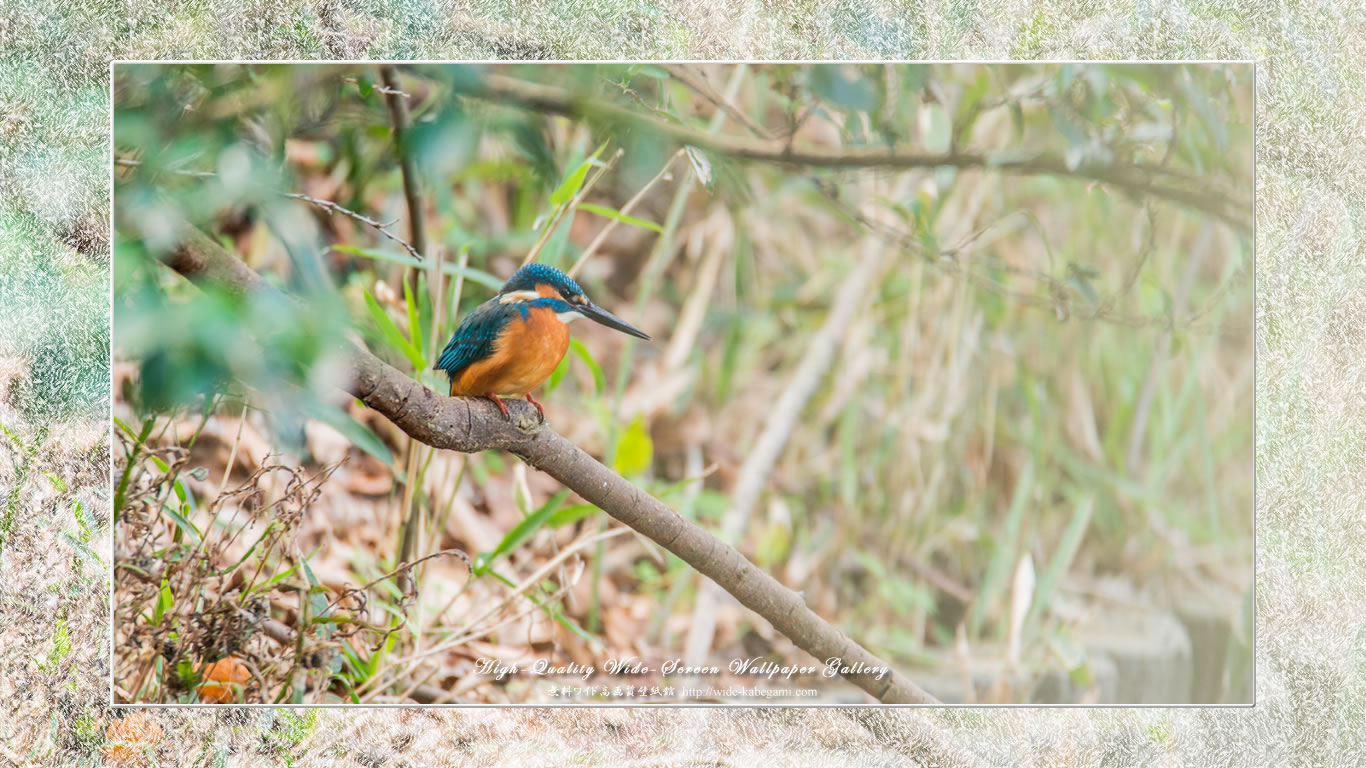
(599,315)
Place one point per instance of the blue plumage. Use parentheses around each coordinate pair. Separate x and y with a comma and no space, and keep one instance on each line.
(474,338)
(528,277)
(513,362)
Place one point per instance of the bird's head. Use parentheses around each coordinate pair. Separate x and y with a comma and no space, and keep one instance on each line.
(548,286)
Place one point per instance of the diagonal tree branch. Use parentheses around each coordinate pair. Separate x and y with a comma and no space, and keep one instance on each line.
(474,424)
(1141,180)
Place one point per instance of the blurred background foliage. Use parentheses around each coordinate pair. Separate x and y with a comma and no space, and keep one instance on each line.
(1039,408)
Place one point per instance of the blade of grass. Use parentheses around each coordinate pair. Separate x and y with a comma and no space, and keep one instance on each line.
(1004,553)
(1062,560)
(391,334)
(616,215)
(520,533)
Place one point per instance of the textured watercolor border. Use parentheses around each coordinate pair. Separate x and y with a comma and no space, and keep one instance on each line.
(1311,313)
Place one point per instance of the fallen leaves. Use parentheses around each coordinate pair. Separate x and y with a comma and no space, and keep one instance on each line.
(223,681)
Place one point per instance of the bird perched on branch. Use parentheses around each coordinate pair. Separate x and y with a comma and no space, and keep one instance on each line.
(511,343)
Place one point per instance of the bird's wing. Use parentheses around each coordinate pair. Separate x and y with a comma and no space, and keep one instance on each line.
(473,338)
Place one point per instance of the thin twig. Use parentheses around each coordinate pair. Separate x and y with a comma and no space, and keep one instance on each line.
(327,205)
(564,210)
(683,73)
(380,227)
(400,570)
(1137,179)
(625,209)
(471,630)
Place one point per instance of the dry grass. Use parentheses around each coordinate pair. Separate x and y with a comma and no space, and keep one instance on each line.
(1309,374)
(963,412)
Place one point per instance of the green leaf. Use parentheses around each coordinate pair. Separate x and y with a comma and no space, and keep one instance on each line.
(635,451)
(138,441)
(365,84)
(183,523)
(520,533)
(276,579)
(360,435)
(84,520)
(580,350)
(56,482)
(1062,558)
(651,70)
(970,106)
(83,549)
(392,335)
(165,601)
(574,181)
(573,626)
(571,514)
(553,611)
(616,215)
(20,445)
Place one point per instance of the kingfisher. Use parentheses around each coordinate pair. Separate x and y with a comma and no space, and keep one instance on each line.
(511,343)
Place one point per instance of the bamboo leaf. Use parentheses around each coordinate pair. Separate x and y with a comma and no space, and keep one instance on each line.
(574,181)
(616,215)
(581,351)
(520,533)
(360,435)
(391,334)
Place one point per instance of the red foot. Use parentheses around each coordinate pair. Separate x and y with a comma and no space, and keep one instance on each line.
(532,400)
(501,405)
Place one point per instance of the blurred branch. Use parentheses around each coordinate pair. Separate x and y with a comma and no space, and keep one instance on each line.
(693,78)
(474,424)
(412,186)
(1136,179)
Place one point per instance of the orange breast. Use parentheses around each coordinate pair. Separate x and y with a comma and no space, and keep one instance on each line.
(523,357)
